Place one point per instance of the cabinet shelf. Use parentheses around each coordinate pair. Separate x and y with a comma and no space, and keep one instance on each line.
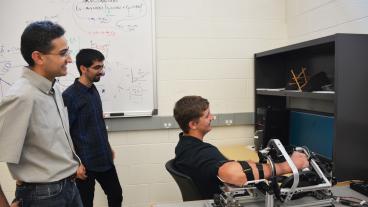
(298,94)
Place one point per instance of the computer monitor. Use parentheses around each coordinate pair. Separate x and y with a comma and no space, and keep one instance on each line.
(315,131)
(347,153)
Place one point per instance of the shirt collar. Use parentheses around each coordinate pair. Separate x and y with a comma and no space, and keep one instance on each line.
(187,137)
(82,87)
(39,81)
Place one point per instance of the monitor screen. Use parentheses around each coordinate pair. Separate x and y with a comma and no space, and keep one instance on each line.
(314,131)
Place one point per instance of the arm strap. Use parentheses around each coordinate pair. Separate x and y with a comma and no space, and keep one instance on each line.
(260,170)
(247,170)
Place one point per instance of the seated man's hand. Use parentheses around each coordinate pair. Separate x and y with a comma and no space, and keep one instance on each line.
(300,160)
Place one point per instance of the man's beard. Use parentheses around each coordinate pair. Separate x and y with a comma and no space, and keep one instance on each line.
(96,79)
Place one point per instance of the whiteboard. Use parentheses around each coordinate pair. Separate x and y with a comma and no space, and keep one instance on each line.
(123,30)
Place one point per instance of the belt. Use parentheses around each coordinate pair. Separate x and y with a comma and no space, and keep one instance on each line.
(69,178)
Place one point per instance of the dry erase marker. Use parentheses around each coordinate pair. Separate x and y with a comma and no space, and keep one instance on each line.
(116,114)
(112,115)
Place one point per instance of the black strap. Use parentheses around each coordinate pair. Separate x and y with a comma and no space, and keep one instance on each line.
(247,170)
(260,170)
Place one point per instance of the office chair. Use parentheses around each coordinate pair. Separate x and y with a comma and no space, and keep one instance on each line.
(188,189)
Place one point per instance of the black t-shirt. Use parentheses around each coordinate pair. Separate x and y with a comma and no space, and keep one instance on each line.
(200,161)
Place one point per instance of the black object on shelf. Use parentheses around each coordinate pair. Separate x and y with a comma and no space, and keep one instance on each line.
(317,81)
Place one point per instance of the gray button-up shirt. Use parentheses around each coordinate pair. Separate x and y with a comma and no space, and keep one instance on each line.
(34,131)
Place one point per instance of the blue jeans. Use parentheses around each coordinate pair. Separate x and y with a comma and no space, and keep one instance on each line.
(63,193)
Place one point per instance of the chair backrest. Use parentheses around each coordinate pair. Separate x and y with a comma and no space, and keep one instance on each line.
(188,189)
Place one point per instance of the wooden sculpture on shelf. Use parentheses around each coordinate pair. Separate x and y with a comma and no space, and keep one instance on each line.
(299,80)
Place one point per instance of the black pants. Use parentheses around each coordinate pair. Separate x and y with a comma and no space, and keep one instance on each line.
(109,182)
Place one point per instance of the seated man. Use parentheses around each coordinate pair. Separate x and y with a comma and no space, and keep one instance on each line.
(203,162)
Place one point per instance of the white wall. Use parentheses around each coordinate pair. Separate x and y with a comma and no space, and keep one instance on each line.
(318,18)
(206,47)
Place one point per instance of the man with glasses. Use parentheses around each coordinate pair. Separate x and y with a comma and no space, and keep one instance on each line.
(34,130)
(88,130)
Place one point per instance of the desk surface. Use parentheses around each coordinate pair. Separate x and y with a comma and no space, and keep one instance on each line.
(239,152)
(337,191)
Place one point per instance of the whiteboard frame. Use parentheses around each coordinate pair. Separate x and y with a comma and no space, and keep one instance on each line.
(154,59)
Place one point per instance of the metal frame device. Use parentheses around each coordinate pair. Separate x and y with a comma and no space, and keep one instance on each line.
(270,192)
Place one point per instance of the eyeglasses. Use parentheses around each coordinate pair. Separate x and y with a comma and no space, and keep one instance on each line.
(63,53)
(98,67)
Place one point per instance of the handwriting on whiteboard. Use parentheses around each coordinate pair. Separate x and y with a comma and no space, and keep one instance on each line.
(99,15)
(121,29)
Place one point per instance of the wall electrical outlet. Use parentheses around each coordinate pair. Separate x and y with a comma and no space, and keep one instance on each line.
(167,125)
(229,122)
